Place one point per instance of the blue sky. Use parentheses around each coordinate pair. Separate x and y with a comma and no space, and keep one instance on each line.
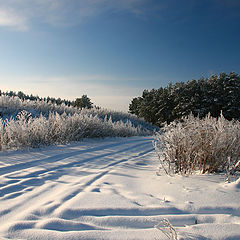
(112,50)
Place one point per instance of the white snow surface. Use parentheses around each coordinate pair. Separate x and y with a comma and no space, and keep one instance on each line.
(110,189)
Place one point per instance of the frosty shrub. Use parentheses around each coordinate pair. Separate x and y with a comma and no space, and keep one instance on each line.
(9,106)
(14,106)
(26,131)
(207,145)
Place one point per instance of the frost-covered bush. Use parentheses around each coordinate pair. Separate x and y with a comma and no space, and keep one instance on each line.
(26,131)
(194,144)
(12,106)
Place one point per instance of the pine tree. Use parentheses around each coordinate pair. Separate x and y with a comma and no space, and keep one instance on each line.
(83,102)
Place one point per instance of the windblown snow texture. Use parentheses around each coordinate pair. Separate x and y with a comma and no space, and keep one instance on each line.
(110,189)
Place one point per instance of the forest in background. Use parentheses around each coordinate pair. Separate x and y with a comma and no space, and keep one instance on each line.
(200,97)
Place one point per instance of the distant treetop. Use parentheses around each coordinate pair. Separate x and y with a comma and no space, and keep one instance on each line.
(83,102)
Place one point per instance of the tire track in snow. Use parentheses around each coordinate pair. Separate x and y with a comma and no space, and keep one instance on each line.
(22,184)
(34,197)
(19,210)
(100,175)
(45,171)
(59,157)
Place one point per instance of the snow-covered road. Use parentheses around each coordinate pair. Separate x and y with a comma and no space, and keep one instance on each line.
(109,189)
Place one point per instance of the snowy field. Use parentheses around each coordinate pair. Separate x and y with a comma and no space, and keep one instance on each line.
(110,189)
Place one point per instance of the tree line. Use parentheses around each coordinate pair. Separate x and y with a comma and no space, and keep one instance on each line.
(82,102)
(207,95)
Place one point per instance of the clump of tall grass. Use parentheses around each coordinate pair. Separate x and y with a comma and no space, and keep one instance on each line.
(205,145)
(167,229)
(10,107)
(25,131)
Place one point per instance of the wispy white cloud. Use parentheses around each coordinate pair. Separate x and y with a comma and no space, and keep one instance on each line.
(22,14)
(10,18)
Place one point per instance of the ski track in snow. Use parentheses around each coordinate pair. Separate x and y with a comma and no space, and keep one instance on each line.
(109,189)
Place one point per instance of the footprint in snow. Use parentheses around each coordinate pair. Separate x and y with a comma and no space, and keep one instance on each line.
(96,190)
